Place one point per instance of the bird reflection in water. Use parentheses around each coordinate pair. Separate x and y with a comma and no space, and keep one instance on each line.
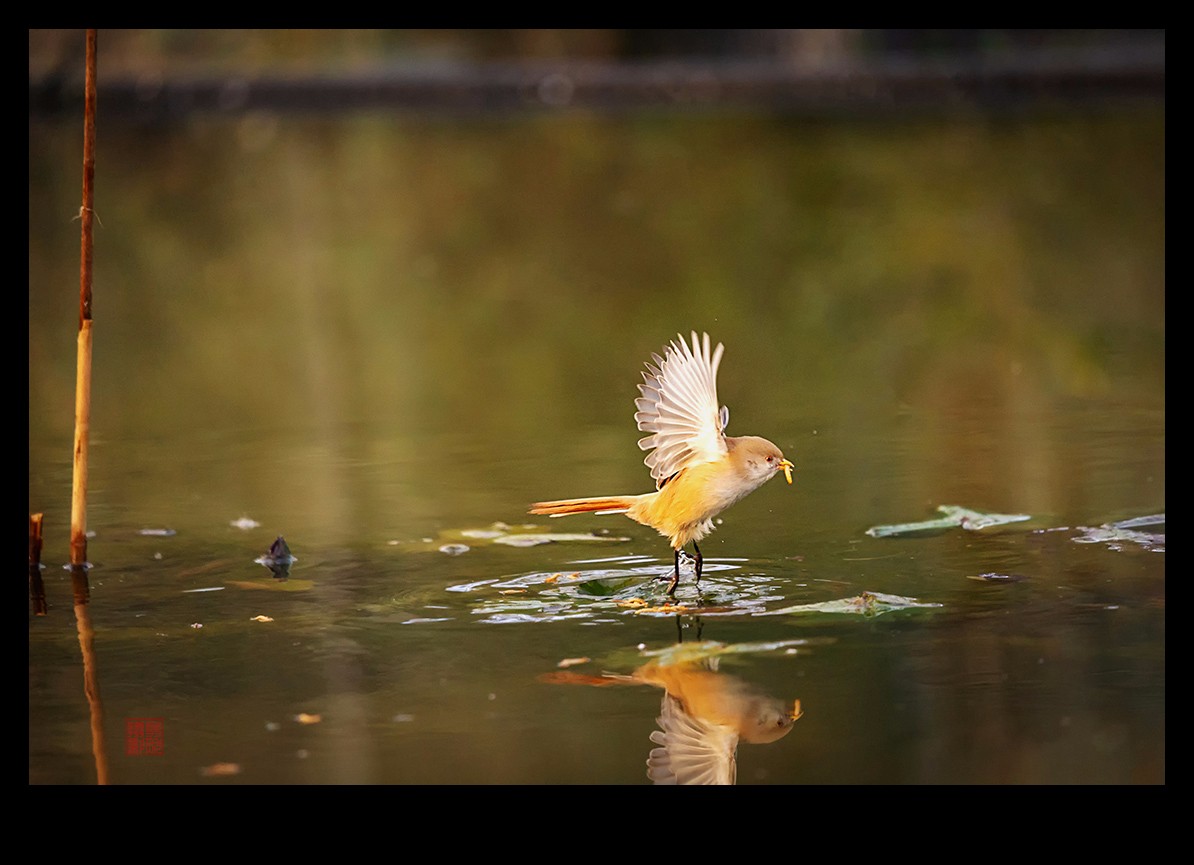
(704,713)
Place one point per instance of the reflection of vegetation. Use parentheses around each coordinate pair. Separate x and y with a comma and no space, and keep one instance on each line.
(990,244)
(344,287)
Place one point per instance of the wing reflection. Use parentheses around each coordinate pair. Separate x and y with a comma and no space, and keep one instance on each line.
(704,712)
(703,716)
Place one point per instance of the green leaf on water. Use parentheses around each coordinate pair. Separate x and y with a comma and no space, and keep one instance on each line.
(608,586)
(952,516)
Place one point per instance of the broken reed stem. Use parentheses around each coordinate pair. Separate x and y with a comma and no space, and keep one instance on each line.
(78,504)
(37,588)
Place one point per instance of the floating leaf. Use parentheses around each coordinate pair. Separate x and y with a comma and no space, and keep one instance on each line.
(678,609)
(952,516)
(866,604)
(1115,535)
(482,534)
(534,540)
(219,769)
(1137,522)
(453,541)
(707,650)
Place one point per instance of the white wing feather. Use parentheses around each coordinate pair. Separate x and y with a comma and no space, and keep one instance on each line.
(678,407)
(691,751)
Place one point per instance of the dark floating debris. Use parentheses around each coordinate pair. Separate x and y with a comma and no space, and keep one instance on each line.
(278,559)
(998,578)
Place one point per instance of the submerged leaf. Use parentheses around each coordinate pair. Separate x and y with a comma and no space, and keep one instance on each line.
(607,586)
(281,586)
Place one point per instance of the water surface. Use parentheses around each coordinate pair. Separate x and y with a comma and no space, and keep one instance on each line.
(379,337)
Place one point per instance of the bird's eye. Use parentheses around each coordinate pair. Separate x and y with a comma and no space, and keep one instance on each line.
(770,459)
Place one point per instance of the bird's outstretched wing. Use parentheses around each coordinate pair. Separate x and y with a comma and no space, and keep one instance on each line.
(678,407)
(691,751)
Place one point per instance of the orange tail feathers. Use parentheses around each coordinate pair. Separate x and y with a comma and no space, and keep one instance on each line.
(602,505)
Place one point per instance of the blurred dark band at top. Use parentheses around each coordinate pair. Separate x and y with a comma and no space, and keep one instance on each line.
(161,75)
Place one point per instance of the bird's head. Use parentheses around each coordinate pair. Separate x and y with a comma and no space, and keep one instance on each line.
(759,459)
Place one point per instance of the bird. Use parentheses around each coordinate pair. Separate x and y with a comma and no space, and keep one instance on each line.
(698,470)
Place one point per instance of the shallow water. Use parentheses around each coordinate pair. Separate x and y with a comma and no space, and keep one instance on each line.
(383,338)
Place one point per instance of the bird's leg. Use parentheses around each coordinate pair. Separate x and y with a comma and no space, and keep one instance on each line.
(671,587)
(699,561)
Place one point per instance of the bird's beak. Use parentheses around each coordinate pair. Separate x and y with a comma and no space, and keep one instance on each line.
(787,466)
(796,710)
